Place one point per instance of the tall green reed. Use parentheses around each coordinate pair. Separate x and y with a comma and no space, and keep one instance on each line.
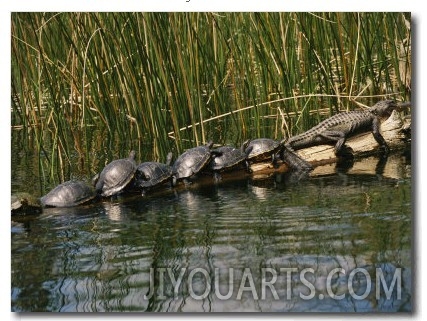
(156,82)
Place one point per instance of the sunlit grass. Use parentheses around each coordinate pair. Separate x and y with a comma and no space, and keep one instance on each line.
(156,82)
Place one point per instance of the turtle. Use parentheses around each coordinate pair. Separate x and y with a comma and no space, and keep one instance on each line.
(25,204)
(262,149)
(115,176)
(229,158)
(67,194)
(191,162)
(151,174)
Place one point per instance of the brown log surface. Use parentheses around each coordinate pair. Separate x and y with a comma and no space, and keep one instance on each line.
(394,130)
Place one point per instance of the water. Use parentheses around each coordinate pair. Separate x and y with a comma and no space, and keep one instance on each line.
(323,244)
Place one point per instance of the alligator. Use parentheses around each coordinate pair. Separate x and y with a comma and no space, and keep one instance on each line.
(336,129)
(294,161)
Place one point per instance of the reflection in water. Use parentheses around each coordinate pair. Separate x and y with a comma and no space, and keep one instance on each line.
(338,241)
(114,211)
(259,190)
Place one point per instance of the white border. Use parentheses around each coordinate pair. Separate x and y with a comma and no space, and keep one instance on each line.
(218,5)
(419,52)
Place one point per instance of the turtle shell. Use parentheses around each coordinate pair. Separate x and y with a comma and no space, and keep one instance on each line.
(24,204)
(150,174)
(261,149)
(228,158)
(116,176)
(70,193)
(192,161)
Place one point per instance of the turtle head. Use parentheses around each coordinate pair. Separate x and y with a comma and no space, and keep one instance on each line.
(169,158)
(95,179)
(383,108)
(246,148)
(141,175)
(145,176)
(245,144)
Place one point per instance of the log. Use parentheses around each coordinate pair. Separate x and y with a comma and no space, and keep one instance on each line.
(392,167)
(395,130)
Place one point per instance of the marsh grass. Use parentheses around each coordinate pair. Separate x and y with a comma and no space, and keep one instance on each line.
(156,82)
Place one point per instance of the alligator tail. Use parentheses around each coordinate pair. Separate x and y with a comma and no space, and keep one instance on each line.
(294,161)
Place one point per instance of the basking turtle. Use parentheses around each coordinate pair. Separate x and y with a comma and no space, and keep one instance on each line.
(116,176)
(228,159)
(191,162)
(25,204)
(262,149)
(67,194)
(266,148)
(151,174)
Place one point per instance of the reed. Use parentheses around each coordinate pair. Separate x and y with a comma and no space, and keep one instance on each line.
(157,82)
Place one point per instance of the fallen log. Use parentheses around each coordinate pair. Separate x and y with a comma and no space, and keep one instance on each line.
(395,130)
(392,167)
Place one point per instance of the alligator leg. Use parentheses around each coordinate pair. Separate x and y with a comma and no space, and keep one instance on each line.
(378,137)
(339,139)
(379,168)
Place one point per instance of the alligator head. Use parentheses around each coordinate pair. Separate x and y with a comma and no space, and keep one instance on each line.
(383,108)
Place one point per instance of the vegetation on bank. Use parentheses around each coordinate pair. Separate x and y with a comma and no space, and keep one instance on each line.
(87,84)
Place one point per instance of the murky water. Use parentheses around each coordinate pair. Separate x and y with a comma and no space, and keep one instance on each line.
(336,242)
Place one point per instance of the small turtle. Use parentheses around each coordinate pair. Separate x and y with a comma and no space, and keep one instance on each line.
(228,159)
(191,162)
(25,204)
(115,176)
(151,174)
(67,194)
(262,149)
